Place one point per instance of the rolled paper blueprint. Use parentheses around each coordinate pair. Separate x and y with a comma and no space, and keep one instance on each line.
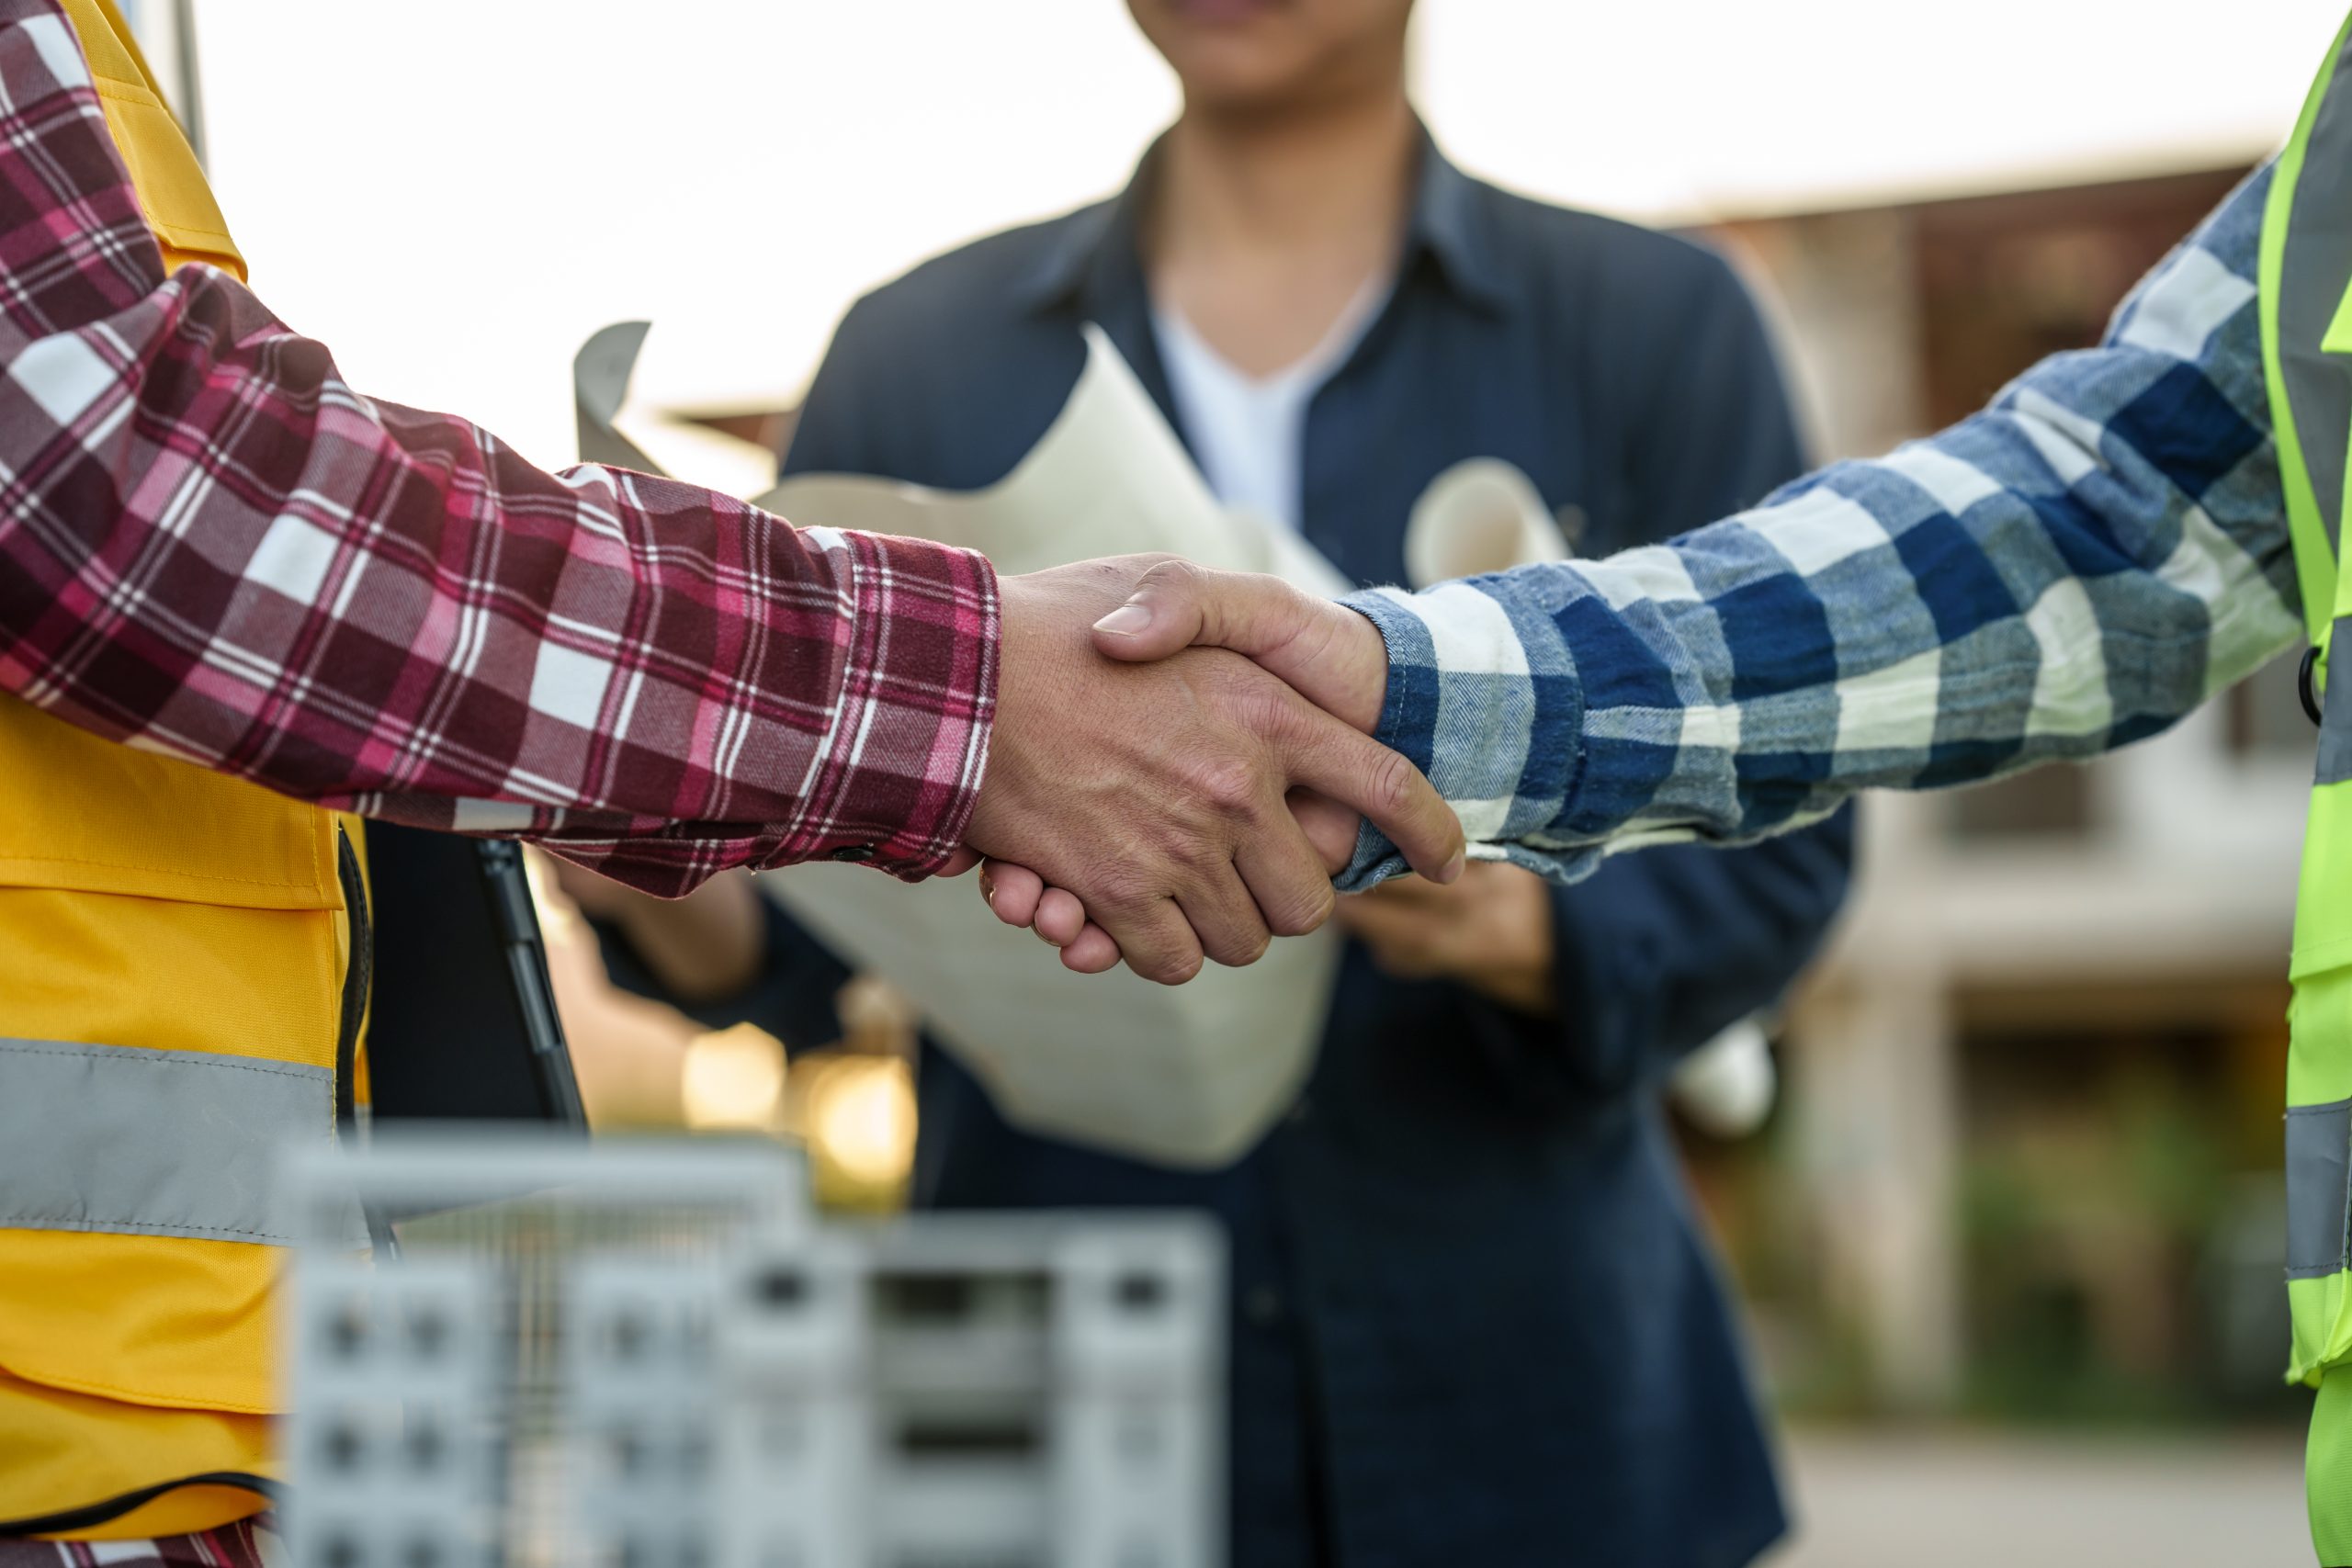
(1187,1076)
(1481,515)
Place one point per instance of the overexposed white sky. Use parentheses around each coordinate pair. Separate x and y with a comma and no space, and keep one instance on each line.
(454,193)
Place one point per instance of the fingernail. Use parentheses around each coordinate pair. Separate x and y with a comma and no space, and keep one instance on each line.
(1124,621)
(1454,866)
(1051,942)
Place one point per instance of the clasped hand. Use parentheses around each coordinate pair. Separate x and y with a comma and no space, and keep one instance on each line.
(1180,764)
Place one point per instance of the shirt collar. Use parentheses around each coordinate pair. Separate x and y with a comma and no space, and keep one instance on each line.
(1094,255)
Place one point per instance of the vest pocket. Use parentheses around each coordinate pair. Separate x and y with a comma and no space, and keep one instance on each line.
(148,903)
(81,813)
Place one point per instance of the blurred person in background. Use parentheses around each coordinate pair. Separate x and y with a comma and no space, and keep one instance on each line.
(1474,1320)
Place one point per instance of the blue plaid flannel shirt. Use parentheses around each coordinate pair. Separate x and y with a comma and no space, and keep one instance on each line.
(2072,569)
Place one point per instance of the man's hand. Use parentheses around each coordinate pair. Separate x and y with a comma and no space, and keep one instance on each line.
(1325,652)
(1491,930)
(1158,796)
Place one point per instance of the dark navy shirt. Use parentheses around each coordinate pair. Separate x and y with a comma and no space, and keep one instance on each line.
(1475,1322)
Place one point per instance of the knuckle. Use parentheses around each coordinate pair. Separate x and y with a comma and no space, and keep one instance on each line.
(1229,785)
(1305,913)
(1171,969)
(1396,784)
(1189,847)
(1241,940)
(1177,579)
(1173,571)
(1259,703)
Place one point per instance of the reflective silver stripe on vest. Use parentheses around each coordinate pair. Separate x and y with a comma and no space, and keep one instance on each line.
(2334,765)
(2313,276)
(151,1143)
(2319,1187)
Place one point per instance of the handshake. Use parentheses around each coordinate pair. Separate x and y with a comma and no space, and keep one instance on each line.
(1181,762)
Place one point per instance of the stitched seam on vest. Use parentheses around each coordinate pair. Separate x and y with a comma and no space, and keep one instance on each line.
(134,1395)
(134,1227)
(140,97)
(165,869)
(2321,956)
(128,91)
(292,1070)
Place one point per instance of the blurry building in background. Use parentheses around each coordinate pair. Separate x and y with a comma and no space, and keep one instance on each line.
(2028,1163)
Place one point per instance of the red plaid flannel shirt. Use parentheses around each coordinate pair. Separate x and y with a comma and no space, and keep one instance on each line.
(212,548)
(230,1546)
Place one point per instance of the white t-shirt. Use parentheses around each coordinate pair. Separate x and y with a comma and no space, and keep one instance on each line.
(1248,432)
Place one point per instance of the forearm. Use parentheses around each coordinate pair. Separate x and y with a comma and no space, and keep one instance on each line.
(384,610)
(217,549)
(2073,569)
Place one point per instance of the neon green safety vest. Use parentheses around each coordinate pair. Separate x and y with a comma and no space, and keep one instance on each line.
(2306,304)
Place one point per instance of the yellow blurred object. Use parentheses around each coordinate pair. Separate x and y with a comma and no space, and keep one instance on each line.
(734,1080)
(856,1114)
(864,1119)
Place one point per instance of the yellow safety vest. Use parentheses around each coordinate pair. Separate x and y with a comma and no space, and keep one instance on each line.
(177,987)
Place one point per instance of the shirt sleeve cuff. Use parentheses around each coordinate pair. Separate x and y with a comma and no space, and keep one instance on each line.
(901,771)
(1408,714)
(1490,707)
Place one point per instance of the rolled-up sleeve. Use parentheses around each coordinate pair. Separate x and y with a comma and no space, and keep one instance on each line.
(212,547)
(2073,569)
